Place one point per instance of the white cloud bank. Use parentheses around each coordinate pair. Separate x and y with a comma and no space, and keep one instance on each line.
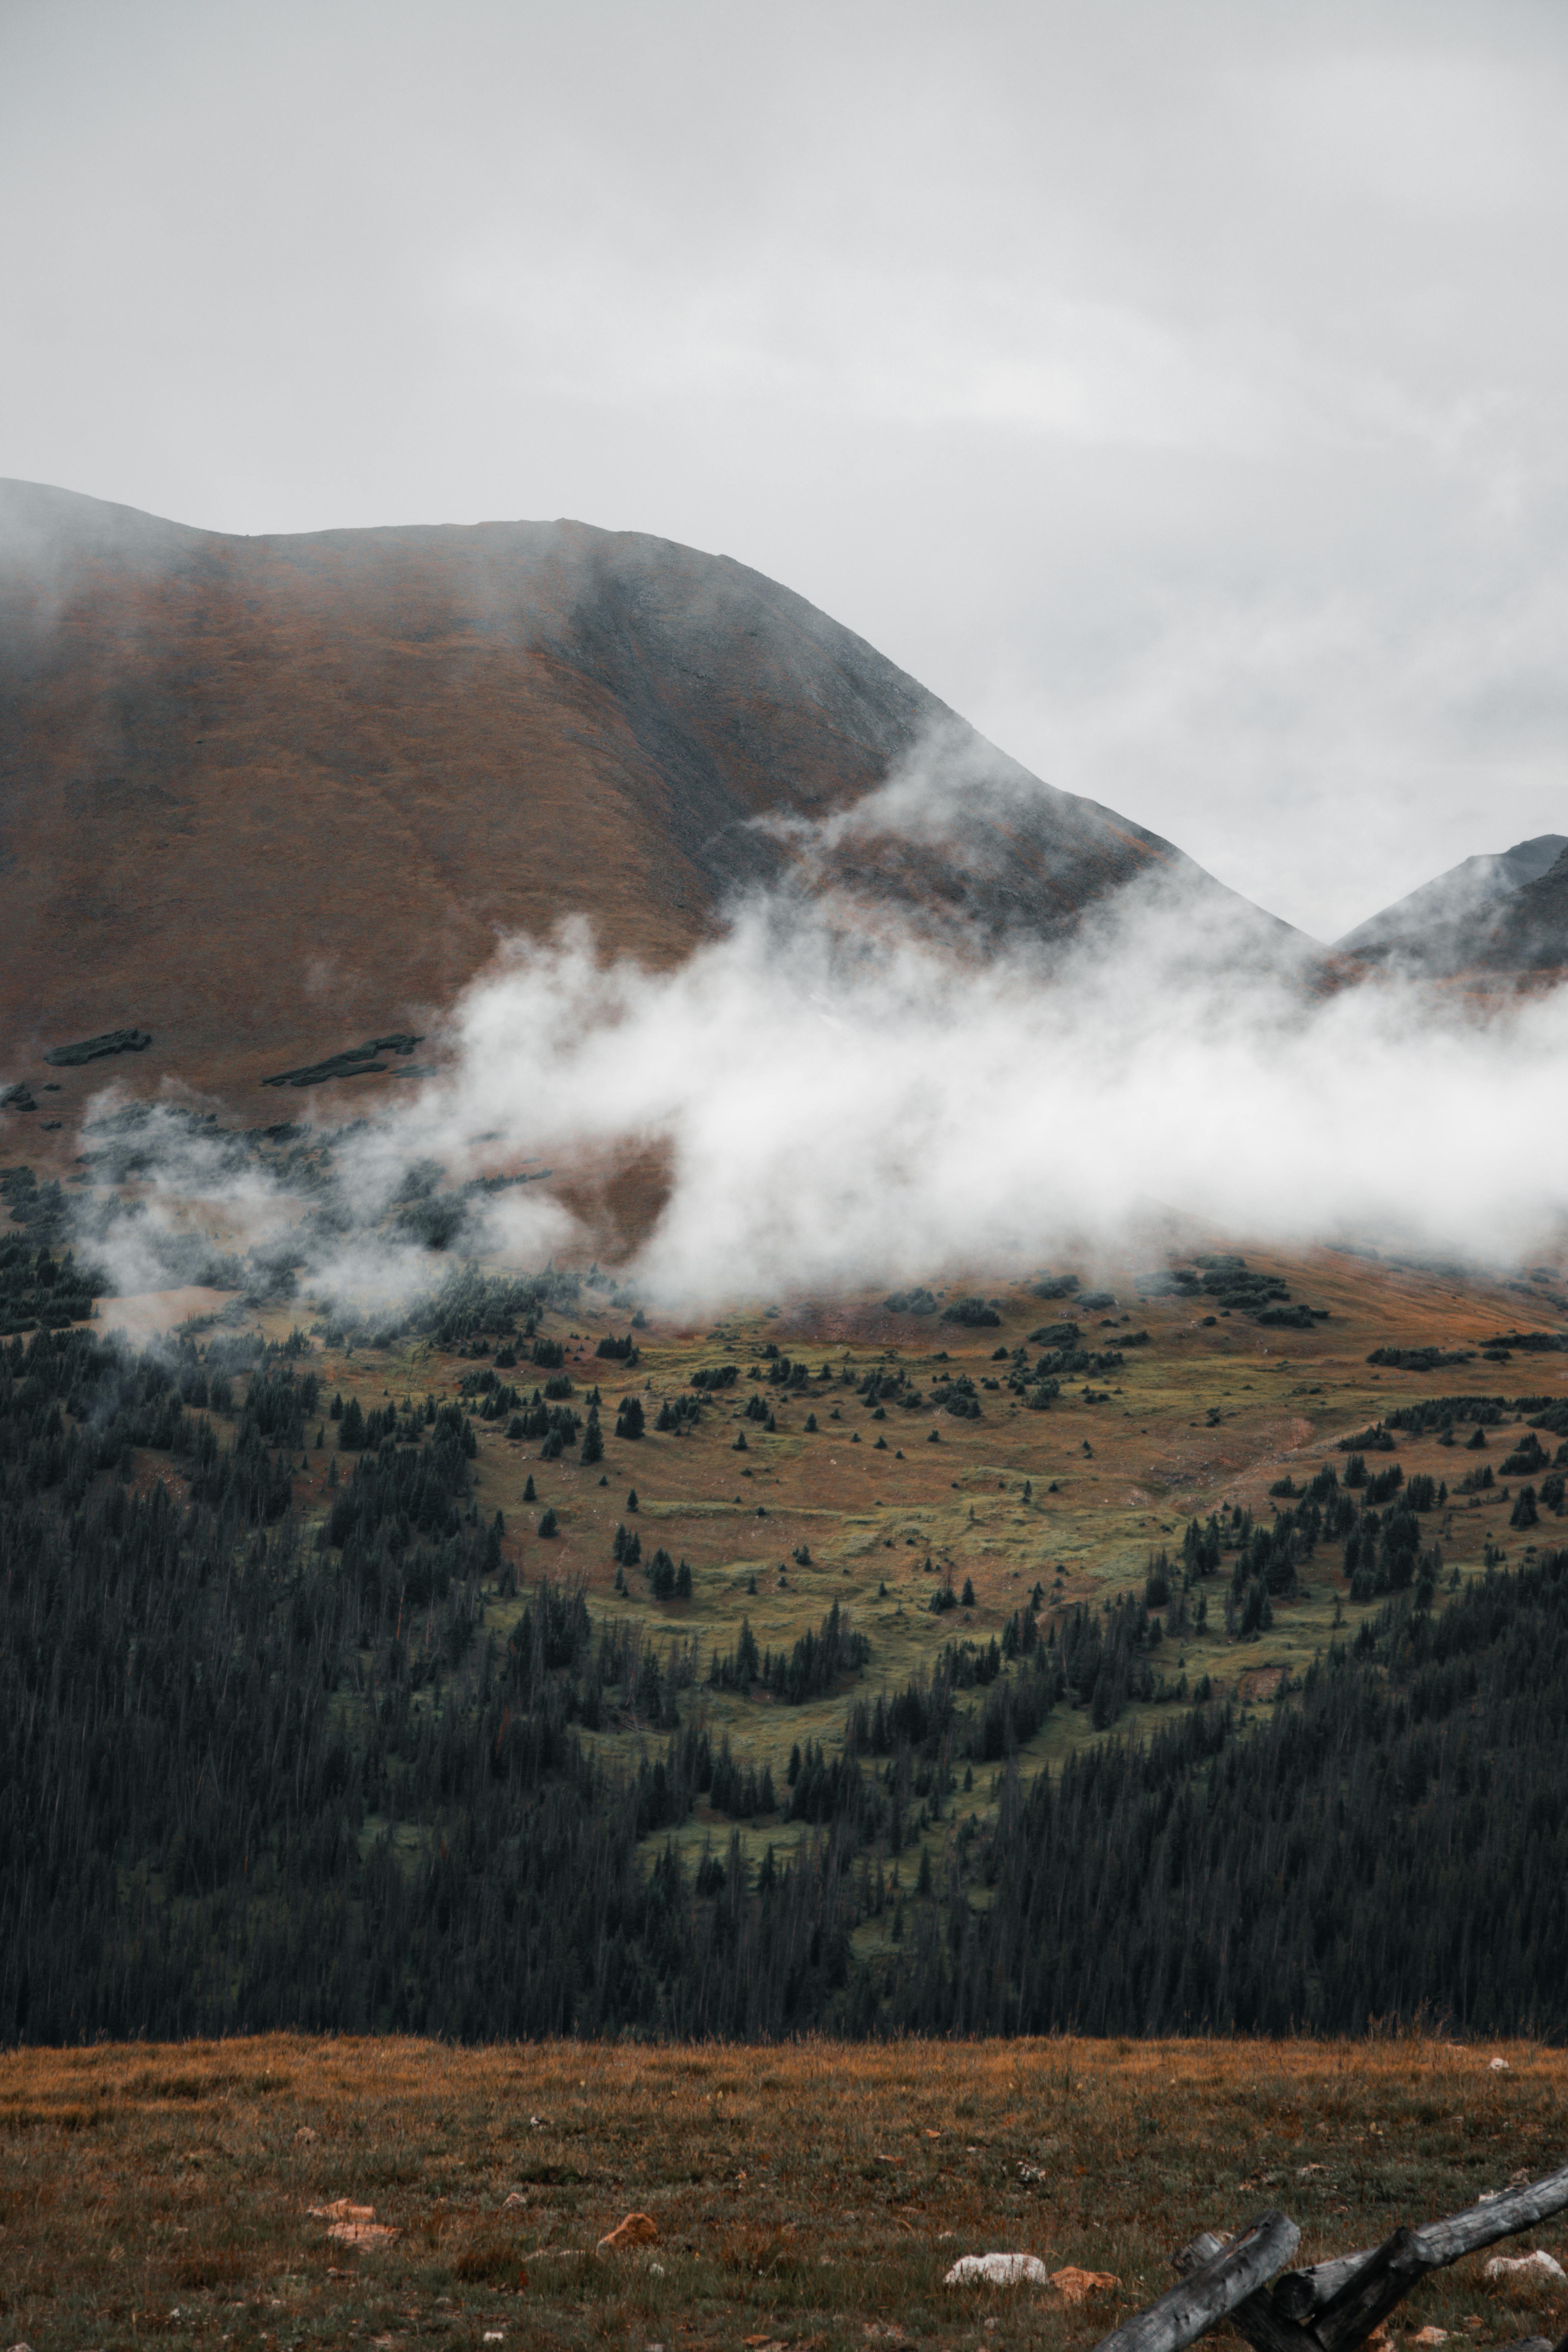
(841,1105)
(836,1116)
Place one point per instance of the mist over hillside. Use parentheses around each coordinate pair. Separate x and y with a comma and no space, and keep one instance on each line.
(263,795)
(591,893)
(1485,912)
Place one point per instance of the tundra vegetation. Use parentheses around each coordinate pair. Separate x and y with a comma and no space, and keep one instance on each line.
(809,2193)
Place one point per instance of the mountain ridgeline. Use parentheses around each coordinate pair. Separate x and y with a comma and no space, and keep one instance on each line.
(262,797)
(1490,914)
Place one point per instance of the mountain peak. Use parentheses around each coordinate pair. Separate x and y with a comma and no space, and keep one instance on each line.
(1445,924)
(265,795)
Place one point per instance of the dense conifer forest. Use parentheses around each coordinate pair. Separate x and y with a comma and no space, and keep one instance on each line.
(256,1772)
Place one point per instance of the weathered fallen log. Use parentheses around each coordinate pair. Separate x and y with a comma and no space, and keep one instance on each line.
(1370,2292)
(1211,2292)
(1298,2294)
(1255,2317)
(1496,2216)
(1330,2306)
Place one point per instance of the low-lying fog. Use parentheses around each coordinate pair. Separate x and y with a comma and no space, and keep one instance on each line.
(840,1101)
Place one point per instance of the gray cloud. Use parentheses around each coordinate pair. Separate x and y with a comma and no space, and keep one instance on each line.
(1175,392)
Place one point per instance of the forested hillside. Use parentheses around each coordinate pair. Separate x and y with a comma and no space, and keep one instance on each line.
(257,1772)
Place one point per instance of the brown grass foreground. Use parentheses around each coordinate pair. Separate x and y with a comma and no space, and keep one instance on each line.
(809,2195)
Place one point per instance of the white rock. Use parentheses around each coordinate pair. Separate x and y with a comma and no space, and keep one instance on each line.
(1540,2265)
(998,2269)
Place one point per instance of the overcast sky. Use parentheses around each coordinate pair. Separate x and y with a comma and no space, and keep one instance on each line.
(1177,389)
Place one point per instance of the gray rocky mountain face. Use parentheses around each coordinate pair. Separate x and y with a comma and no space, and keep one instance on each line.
(1508,910)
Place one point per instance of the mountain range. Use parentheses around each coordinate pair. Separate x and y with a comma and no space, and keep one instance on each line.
(263,798)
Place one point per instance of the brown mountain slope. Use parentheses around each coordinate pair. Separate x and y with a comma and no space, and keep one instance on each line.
(263,797)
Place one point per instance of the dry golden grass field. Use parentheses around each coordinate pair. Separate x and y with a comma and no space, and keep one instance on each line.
(812,2195)
(1213,1412)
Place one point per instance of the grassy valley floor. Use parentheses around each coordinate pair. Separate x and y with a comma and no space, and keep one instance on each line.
(808,2195)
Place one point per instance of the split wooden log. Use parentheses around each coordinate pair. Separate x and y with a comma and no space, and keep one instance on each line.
(1361,2301)
(1212,2291)
(1326,2308)
(1333,2306)
(1298,2294)
(1255,2317)
(1496,2216)
(1371,2293)
(1301,2293)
